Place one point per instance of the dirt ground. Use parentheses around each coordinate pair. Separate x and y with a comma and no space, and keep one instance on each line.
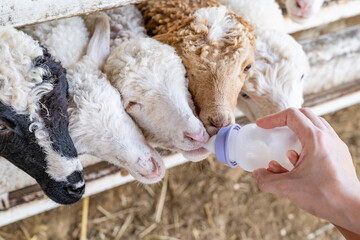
(204,200)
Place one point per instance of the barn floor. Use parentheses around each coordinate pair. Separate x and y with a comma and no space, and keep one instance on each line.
(203,201)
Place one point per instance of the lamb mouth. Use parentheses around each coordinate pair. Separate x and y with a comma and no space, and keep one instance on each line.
(198,151)
(156,172)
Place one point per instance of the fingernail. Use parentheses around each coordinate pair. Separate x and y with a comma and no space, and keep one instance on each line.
(272,163)
(291,154)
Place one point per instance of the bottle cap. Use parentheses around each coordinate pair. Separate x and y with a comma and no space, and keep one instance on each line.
(222,143)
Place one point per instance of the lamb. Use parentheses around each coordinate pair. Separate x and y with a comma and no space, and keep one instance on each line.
(151,79)
(33,121)
(96,105)
(216,47)
(276,81)
(94,102)
(301,11)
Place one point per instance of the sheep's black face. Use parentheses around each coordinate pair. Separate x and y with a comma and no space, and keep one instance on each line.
(20,146)
(40,144)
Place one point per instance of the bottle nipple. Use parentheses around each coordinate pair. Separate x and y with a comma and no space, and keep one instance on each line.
(222,143)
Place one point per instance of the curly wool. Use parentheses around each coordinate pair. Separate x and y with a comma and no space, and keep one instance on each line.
(70,33)
(21,84)
(203,27)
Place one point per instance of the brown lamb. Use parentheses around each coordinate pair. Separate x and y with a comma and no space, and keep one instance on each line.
(216,47)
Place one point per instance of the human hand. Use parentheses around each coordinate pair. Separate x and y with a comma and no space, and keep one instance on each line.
(323,181)
(293,156)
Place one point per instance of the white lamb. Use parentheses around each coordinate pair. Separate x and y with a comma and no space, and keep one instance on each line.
(276,80)
(152,82)
(98,123)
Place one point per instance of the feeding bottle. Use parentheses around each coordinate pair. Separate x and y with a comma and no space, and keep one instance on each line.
(252,147)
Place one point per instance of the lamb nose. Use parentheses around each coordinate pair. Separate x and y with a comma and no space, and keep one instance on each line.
(74,191)
(299,4)
(220,122)
(303,5)
(196,137)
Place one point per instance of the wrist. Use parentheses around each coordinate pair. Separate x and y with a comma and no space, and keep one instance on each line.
(346,205)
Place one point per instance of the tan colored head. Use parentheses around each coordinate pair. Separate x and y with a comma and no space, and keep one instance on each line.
(217,49)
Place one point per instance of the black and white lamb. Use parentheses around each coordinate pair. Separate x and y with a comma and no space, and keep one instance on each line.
(33,121)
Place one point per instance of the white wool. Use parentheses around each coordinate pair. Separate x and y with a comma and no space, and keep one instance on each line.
(259,13)
(70,33)
(217,21)
(20,82)
(126,23)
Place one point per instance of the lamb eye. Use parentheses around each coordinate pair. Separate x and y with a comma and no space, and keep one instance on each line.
(133,106)
(3,128)
(302,76)
(244,95)
(247,68)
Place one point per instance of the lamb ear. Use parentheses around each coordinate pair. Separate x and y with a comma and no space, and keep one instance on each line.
(132,106)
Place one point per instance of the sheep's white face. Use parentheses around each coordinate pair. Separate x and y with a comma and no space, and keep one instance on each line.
(168,121)
(301,10)
(270,89)
(217,49)
(276,81)
(152,83)
(100,126)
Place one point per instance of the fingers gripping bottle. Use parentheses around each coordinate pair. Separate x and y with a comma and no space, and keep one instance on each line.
(252,147)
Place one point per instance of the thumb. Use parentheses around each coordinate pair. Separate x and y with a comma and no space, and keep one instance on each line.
(271,182)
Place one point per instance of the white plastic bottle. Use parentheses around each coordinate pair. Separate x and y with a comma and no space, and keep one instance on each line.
(252,147)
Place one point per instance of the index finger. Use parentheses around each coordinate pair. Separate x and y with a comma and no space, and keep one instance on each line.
(291,117)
